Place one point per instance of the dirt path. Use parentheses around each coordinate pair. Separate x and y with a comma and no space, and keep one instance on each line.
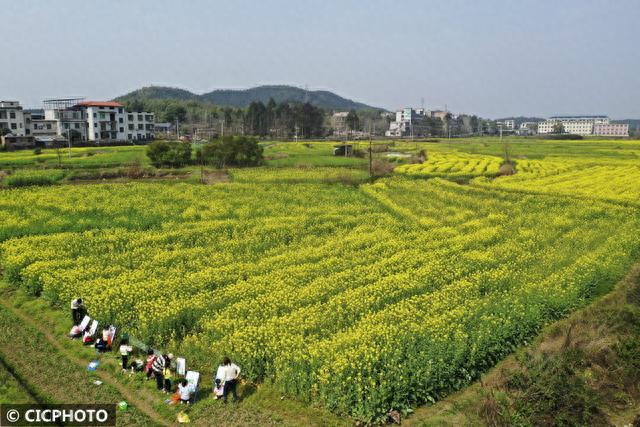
(133,398)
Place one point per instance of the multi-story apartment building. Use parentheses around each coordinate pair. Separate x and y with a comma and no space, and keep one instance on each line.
(507,124)
(12,117)
(409,122)
(611,129)
(578,125)
(140,126)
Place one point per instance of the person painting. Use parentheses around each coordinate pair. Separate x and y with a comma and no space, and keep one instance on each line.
(184,391)
(230,372)
(78,311)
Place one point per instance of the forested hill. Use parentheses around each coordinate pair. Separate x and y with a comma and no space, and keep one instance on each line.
(242,98)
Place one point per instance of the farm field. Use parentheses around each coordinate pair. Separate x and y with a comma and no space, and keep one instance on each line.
(359,298)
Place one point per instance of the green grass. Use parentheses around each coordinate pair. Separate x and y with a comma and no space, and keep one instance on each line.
(80,157)
(62,381)
(278,154)
(11,390)
(50,375)
(23,178)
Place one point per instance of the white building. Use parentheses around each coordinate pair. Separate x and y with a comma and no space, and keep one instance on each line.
(107,121)
(611,129)
(577,125)
(507,124)
(12,118)
(409,122)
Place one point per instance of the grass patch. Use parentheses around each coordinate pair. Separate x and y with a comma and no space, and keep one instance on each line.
(24,178)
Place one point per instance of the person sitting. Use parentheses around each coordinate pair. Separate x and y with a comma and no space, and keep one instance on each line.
(101,345)
(78,311)
(106,338)
(185,389)
(218,382)
(87,338)
(75,332)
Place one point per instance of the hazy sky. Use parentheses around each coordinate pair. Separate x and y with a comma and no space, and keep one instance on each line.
(492,57)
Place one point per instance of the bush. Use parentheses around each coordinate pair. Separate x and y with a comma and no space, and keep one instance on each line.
(231,151)
(169,153)
(33,177)
(563,136)
(37,151)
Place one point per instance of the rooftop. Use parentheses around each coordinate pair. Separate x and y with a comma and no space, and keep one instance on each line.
(100,104)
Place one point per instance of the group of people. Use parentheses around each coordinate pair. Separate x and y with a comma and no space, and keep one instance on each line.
(157,366)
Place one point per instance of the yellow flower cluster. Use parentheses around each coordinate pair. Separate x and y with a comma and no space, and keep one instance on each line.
(363,299)
(453,165)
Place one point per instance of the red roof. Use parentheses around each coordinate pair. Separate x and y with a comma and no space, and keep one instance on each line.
(100,104)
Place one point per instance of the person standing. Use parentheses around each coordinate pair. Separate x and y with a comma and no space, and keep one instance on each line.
(125,349)
(78,311)
(230,372)
(158,371)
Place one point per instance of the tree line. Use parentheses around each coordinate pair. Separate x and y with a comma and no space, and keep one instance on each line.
(287,120)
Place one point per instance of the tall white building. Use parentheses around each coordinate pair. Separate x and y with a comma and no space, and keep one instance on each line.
(410,122)
(12,117)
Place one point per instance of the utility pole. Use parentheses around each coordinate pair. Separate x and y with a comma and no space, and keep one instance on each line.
(178,128)
(370,159)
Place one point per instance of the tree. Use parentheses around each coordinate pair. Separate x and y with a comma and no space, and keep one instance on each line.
(558,127)
(175,112)
(169,153)
(353,121)
(231,151)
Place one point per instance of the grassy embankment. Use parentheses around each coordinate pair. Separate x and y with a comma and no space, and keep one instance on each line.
(583,371)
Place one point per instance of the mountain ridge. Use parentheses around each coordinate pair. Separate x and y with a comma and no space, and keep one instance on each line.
(241,98)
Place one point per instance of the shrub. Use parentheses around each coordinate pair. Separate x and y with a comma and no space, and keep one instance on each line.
(231,151)
(33,177)
(37,151)
(169,153)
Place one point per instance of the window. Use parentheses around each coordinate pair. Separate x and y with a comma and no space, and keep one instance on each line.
(96,134)
(140,117)
(120,110)
(77,126)
(48,125)
(130,126)
(95,115)
(130,117)
(12,114)
(13,126)
(66,125)
(120,120)
(129,136)
(121,129)
(140,126)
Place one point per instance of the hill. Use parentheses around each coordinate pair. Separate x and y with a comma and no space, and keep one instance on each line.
(240,98)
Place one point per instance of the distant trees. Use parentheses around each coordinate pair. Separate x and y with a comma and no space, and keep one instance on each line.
(558,128)
(230,151)
(281,120)
(353,121)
